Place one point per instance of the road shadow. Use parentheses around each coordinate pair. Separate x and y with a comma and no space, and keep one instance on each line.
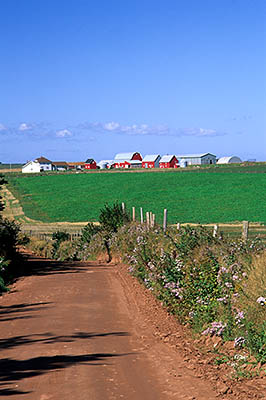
(15,311)
(49,338)
(34,265)
(12,370)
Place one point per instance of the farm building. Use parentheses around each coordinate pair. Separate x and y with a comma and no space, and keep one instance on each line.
(151,161)
(125,160)
(135,164)
(105,164)
(229,160)
(90,163)
(168,161)
(79,165)
(196,159)
(31,167)
(60,166)
(45,164)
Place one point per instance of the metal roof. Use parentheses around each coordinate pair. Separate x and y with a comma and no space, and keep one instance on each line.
(167,158)
(226,160)
(134,162)
(89,161)
(200,155)
(151,157)
(105,162)
(125,156)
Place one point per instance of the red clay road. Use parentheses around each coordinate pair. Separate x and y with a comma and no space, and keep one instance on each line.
(74,331)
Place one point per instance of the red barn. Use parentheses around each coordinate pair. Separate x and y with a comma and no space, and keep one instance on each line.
(151,161)
(90,164)
(122,160)
(169,161)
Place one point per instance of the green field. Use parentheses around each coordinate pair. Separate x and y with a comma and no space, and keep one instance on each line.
(10,167)
(189,197)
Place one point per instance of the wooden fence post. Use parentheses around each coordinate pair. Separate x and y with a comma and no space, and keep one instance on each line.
(164,220)
(148,219)
(133,214)
(178,226)
(141,215)
(123,207)
(245,230)
(215,230)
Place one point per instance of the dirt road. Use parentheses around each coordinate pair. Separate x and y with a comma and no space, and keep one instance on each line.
(77,332)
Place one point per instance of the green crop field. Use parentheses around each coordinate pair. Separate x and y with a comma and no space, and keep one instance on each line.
(189,197)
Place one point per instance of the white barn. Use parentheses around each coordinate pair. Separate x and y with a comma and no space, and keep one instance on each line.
(196,159)
(229,160)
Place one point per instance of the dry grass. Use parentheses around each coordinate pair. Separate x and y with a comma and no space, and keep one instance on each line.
(255,287)
(41,248)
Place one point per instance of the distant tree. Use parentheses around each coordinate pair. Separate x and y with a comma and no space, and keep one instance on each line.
(2,182)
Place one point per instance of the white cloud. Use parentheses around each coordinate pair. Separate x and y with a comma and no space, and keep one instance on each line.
(145,129)
(115,127)
(200,132)
(111,126)
(63,133)
(25,127)
(2,127)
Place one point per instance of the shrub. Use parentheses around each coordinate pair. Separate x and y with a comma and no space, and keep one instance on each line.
(113,217)
(67,251)
(88,232)
(42,248)
(58,237)
(10,265)
(9,237)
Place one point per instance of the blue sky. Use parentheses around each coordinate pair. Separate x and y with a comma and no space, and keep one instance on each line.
(82,78)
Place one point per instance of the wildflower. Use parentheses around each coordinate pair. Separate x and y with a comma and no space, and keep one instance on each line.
(223,299)
(228,284)
(216,329)
(239,341)
(239,316)
(240,357)
(223,269)
(261,300)
(151,266)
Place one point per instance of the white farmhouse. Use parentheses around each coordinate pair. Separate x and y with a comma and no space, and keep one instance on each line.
(45,164)
(31,167)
